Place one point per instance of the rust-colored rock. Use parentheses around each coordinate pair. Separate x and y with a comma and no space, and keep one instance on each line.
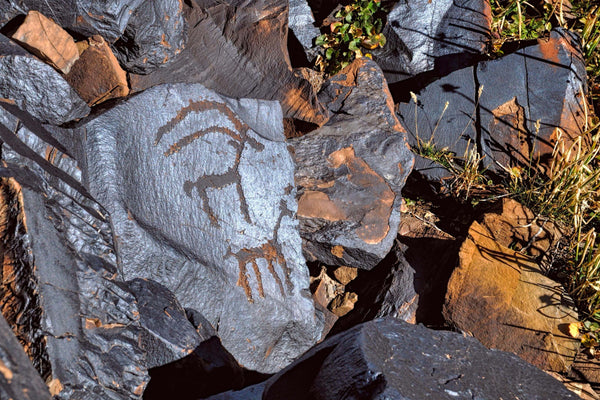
(97,75)
(343,303)
(502,298)
(345,274)
(47,40)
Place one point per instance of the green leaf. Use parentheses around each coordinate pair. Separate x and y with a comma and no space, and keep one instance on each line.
(329,53)
(354,44)
(321,40)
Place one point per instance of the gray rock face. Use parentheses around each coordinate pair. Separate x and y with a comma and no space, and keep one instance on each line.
(509,96)
(18,379)
(88,17)
(390,359)
(200,192)
(239,49)
(302,23)
(154,35)
(427,35)
(36,87)
(350,171)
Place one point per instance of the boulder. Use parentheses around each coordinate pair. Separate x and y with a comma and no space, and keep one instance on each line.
(18,379)
(154,36)
(502,297)
(97,75)
(301,23)
(425,36)
(391,359)
(36,87)
(48,41)
(239,49)
(350,172)
(200,190)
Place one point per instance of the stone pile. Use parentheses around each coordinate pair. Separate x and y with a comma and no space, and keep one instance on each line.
(184,212)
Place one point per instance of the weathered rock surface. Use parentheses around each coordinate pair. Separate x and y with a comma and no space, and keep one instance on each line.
(18,379)
(302,23)
(350,172)
(44,38)
(97,75)
(502,297)
(239,49)
(155,35)
(205,206)
(424,36)
(36,87)
(391,359)
(495,106)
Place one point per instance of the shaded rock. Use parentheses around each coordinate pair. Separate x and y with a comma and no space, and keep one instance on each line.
(48,41)
(502,297)
(253,392)
(582,389)
(18,379)
(240,50)
(155,34)
(167,334)
(232,249)
(350,172)
(302,23)
(343,303)
(391,359)
(87,17)
(424,36)
(97,75)
(587,367)
(36,87)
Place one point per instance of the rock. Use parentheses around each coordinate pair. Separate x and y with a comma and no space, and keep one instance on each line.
(97,75)
(87,17)
(80,323)
(167,334)
(48,41)
(302,23)
(18,379)
(36,87)
(587,367)
(496,106)
(502,297)
(391,359)
(350,172)
(155,35)
(231,250)
(345,274)
(239,49)
(424,36)
(343,303)
(253,392)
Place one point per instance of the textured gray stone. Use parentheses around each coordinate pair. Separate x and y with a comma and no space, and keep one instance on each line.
(18,379)
(391,359)
(302,23)
(427,35)
(200,190)
(155,35)
(36,87)
(350,172)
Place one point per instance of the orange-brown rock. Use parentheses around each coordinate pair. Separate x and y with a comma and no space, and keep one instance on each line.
(502,298)
(97,75)
(47,40)
(345,274)
(343,303)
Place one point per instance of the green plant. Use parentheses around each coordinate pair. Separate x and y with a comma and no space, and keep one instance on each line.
(357,28)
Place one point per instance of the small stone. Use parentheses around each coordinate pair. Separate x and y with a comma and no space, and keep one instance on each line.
(343,303)
(47,40)
(345,274)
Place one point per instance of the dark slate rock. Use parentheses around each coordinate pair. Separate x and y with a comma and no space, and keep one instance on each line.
(18,379)
(302,23)
(154,36)
(391,359)
(239,49)
(167,335)
(36,87)
(88,319)
(253,392)
(350,172)
(88,17)
(424,36)
(205,205)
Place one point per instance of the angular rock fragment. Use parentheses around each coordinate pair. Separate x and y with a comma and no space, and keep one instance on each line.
(36,87)
(302,23)
(18,379)
(48,41)
(155,35)
(205,206)
(350,172)
(394,360)
(239,48)
(502,297)
(97,75)
(424,36)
